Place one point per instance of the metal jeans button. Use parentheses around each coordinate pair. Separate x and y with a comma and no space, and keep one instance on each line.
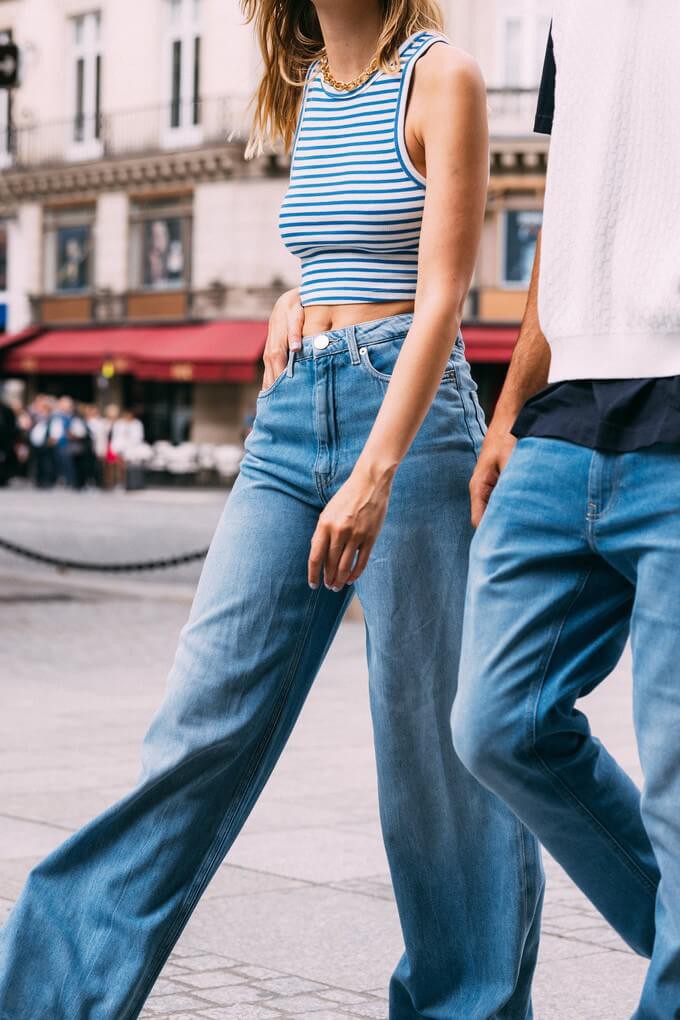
(321,342)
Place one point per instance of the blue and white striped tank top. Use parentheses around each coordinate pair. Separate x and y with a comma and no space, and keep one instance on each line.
(354,208)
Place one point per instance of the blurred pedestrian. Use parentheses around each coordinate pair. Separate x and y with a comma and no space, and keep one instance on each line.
(23,448)
(9,438)
(111,464)
(99,431)
(59,440)
(127,433)
(42,467)
(81,450)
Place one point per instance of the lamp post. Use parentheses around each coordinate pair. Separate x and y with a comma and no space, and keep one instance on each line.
(9,65)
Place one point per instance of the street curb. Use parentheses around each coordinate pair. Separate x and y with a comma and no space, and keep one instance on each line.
(177,592)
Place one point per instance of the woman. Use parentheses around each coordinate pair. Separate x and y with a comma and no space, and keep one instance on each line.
(355,479)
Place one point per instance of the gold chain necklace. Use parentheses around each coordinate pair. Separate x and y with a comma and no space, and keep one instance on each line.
(346,86)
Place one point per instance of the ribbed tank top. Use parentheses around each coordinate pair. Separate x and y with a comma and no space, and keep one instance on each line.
(354,208)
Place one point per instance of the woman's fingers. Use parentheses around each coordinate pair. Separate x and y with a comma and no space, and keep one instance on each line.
(317,556)
(296,321)
(346,564)
(336,547)
(275,361)
(361,561)
(285,334)
(335,556)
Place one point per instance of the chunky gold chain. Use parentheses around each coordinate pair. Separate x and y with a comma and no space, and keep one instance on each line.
(346,86)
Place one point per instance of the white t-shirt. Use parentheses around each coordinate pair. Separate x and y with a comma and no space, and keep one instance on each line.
(609,290)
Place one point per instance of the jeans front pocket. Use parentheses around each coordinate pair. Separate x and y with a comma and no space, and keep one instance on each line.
(379,360)
(275,385)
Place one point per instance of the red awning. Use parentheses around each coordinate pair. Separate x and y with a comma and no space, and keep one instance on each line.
(490,343)
(226,351)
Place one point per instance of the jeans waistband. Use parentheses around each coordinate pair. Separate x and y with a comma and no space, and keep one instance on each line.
(350,338)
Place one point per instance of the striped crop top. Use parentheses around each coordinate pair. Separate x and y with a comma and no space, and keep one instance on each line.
(354,208)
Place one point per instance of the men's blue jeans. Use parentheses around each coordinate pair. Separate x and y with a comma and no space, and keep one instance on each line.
(98,918)
(577,550)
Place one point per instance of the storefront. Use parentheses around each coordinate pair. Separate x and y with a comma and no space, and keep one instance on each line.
(195,381)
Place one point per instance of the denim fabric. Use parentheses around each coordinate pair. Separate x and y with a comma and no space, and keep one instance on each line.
(98,918)
(579,549)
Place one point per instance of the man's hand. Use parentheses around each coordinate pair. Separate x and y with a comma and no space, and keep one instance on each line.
(527,374)
(285,335)
(495,454)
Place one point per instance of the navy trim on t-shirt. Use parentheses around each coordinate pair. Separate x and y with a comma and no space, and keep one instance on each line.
(545,112)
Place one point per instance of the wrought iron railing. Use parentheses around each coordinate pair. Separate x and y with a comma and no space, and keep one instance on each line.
(211,121)
(174,126)
(512,111)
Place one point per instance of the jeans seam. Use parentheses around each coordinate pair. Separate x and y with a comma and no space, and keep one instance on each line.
(182,914)
(557,781)
(527,919)
(461,394)
(480,422)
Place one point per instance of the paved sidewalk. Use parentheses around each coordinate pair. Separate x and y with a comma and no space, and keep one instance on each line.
(300,922)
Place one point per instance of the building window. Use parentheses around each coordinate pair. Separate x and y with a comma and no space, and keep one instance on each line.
(87,78)
(161,243)
(512,53)
(520,233)
(183,65)
(523,34)
(68,251)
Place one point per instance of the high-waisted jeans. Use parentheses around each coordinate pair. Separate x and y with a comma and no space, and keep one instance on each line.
(98,918)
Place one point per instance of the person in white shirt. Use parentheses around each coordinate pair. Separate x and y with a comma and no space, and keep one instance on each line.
(578,548)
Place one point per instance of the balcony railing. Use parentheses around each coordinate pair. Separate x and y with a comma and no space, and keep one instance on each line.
(212,121)
(206,122)
(512,111)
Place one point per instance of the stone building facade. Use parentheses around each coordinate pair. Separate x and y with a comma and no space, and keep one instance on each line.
(126,203)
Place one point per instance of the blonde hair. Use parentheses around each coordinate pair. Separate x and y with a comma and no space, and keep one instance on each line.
(290,40)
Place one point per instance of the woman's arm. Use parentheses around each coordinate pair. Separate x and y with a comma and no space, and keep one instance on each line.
(448,117)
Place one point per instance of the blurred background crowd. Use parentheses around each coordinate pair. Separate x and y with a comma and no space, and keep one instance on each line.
(59,440)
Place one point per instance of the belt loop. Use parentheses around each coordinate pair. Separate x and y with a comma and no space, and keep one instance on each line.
(291,363)
(352,345)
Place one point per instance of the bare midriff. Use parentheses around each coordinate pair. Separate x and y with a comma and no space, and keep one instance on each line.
(324,318)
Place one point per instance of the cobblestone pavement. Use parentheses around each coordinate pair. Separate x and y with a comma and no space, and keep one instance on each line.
(300,922)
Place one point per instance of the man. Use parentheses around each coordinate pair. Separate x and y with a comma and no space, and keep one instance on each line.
(9,437)
(59,440)
(42,454)
(580,544)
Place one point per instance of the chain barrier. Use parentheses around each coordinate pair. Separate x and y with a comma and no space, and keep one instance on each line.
(101,568)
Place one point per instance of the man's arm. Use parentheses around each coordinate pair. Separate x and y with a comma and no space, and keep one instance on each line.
(528,373)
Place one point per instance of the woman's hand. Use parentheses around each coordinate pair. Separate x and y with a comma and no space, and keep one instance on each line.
(347,530)
(285,335)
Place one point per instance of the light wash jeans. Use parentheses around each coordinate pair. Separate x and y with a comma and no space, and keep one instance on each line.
(579,549)
(98,918)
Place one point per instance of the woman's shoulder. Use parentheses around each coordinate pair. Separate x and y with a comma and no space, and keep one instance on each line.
(448,66)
